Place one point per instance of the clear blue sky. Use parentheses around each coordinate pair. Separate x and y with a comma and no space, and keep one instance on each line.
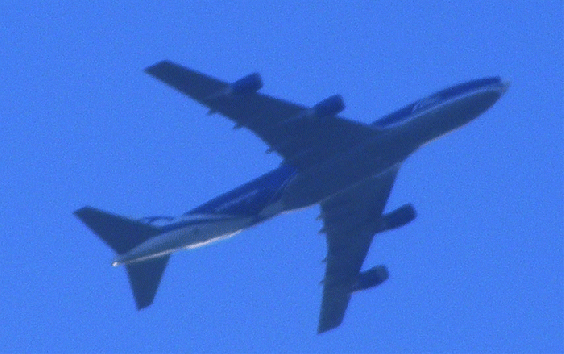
(480,269)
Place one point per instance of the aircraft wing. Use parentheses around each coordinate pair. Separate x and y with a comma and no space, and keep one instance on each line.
(349,221)
(302,141)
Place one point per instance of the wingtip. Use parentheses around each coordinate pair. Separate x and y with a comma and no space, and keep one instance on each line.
(81,211)
(324,329)
(153,68)
(325,326)
(142,306)
(142,301)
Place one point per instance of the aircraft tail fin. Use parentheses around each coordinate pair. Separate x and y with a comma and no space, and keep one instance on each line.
(123,234)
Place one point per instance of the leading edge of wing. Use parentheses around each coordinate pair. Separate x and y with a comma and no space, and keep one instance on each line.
(281,124)
(215,94)
(188,81)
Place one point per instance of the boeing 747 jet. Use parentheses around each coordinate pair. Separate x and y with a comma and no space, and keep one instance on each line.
(345,166)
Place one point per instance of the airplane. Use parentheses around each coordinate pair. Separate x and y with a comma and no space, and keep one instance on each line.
(345,166)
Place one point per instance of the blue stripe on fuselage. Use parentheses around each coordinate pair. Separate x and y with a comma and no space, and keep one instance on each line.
(191,222)
(437,99)
(250,198)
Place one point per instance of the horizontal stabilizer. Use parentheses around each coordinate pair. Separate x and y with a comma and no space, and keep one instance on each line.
(144,278)
(120,233)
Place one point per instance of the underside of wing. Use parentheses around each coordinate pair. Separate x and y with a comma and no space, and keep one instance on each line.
(296,132)
(350,220)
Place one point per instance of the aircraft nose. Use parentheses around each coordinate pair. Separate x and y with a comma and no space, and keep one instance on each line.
(505,86)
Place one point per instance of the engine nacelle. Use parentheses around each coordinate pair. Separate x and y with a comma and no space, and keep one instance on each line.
(249,84)
(329,106)
(371,278)
(399,217)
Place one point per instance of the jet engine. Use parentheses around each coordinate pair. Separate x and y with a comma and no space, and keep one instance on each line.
(398,218)
(248,84)
(371,278)
(329,106)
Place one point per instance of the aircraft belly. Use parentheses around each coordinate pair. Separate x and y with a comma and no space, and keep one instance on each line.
(214,232)
(184,237)
(346,170)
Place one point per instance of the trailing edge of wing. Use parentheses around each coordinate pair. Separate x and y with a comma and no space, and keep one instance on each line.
(345,220)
